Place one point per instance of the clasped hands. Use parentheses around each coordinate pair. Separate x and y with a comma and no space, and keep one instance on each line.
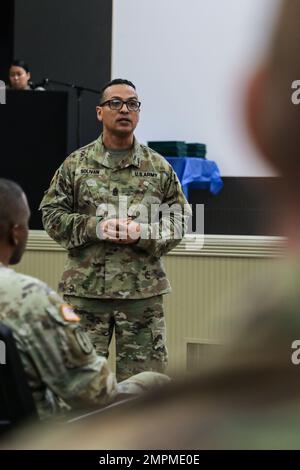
(121,231)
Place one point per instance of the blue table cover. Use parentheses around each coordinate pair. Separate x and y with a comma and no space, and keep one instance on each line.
(204,174)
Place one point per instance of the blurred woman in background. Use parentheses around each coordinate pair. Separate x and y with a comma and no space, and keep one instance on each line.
(20,77)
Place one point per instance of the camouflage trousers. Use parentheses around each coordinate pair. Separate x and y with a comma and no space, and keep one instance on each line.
(139,331)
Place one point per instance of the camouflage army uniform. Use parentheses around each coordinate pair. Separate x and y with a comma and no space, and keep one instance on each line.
(88,188)
(62,367)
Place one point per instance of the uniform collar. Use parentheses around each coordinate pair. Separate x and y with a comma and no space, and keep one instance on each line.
(132,159)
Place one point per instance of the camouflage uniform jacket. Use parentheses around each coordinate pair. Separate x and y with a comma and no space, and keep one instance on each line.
(60,362)
(89,184)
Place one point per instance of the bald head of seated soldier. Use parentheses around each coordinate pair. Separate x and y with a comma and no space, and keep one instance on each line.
(14,218)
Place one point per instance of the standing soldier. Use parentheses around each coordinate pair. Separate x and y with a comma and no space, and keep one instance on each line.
(100,206)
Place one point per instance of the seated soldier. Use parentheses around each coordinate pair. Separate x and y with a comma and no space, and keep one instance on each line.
(62,367)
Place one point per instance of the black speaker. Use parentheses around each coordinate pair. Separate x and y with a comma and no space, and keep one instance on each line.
(33,143)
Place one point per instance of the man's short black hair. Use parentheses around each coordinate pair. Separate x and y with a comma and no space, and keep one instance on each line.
(11,204)
(116,81)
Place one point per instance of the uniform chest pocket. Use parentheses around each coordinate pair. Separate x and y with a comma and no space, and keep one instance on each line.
(92,191)
(146,190)
(146,198)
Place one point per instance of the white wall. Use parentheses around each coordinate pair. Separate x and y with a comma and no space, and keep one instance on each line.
(189,60)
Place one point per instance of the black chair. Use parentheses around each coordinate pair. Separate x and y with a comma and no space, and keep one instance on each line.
(16,401)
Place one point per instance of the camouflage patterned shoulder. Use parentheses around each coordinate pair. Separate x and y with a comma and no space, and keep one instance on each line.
(82,154)
(40,300)
(22,281)
(154,160)
(157,160)
(22,296)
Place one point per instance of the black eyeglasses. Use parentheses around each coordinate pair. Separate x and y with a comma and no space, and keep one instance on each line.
(117,104)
